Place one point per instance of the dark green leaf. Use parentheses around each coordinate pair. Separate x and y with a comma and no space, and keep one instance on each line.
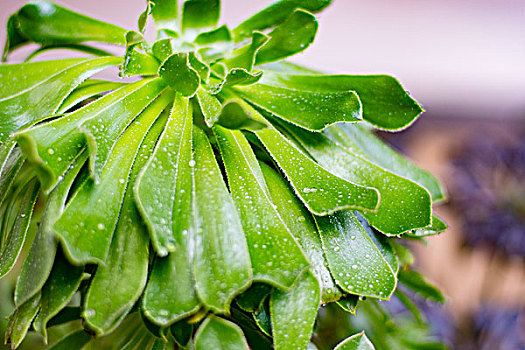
(275,14)
(20,321)
(403,205)
(200,14)
(13,239)
(322,192)
(11,161)
(182,332)
(217,333)
(178,74)
(355,262)
(39,261)
(415,281)
(221,253)
(356,342)
(164,13)
(262,318)
(292,36)
(310,110)
(276,257)
(361,141)
(118,284)
(251,299)
(300,222)
(75,340)
(293,313)
(14,37)
(42,98)
(386,104)
(88,222)
(62,283)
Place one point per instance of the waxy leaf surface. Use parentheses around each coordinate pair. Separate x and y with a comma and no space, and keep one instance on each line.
(276,257)
(218,333)
(356,342)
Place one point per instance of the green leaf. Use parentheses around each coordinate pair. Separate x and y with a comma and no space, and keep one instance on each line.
(251,299)
(217,333)
(164,13)
(75,340)
(221,253)
(293,313)
(119,283)
(300,222)
(275,14)
(163,188)
(403,205)
(86,227)
(200,67)
(210,107)
(294,35)
(51,147)
(13,238)
(415,281)
(321,191)
(244,57)
(263,319)
(20,321)
(359,140)
(355,262)
(102,132)
(11,162)
(356,342)
(310,110)
(236,76)
(182,332)
(405,300)
(91,88)
(163,193)
(46,23)
(200,14)
(62,283)
(14,37)
(436,227)
(234,115)
(138,63)
(74,47)
(143,18)
(348,303)
(276,257)
(39,261)
(41,99)
(162,49)
(215,44)
(386,104)
(177,73)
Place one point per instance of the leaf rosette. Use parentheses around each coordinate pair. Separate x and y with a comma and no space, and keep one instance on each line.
(223,194)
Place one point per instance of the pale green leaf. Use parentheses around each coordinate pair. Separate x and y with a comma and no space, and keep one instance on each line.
(177,73)
(292,36)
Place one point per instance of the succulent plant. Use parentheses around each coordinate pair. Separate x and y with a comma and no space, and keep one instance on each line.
(217,198)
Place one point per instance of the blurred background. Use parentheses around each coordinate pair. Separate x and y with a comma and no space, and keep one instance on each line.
(464,60)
